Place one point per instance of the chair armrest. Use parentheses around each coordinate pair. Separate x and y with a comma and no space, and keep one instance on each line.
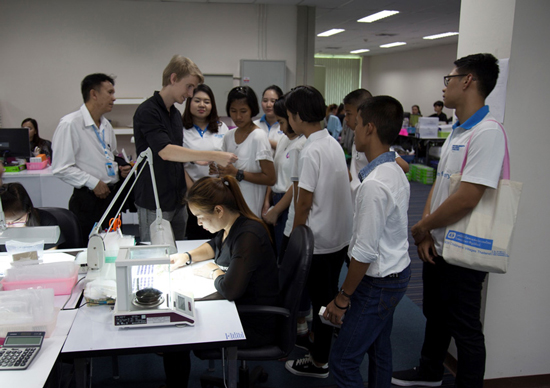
(252,309)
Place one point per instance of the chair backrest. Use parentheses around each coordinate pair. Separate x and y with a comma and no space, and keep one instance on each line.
(69,226)
(293,274)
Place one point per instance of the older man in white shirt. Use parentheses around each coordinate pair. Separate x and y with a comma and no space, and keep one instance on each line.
(85,143)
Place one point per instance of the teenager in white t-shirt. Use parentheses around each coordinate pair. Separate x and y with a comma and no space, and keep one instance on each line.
(268,122)
(203,131)
(323,203)
(254,170)
(279,196)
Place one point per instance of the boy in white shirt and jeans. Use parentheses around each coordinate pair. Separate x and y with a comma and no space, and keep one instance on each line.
(379,270)
(324,204)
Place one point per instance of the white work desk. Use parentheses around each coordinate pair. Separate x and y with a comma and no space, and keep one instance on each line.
(38,372)
(93,333)
(43,187)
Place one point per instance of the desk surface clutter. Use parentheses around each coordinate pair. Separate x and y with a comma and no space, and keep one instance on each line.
(83,332)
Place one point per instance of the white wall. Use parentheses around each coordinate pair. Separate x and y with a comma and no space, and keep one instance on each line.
(47,47)
(413,77)
(517,313)
(486,27)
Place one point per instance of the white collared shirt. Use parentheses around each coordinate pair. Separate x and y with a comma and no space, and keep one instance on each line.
(380,224)
(209,141)
(273,133)
(324,172)
(80,158)
(358,162)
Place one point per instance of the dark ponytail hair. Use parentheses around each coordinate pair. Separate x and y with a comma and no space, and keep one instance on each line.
(209,192)
(280,110)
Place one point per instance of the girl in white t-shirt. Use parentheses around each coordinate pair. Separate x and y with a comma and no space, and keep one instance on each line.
(204,132)
(254,170)
(279,196)
(268,122)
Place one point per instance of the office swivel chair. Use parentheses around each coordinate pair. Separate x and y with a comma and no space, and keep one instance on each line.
(293,273)
(69,226)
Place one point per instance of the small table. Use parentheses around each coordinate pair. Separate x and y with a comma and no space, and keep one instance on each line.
(93,333)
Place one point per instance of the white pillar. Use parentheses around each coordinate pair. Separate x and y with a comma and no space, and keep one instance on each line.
(517,313)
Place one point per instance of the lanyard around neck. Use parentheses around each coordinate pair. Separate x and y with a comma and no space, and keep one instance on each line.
(101,140)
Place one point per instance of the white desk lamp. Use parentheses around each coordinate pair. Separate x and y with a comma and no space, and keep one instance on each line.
(49,234)
(160,229)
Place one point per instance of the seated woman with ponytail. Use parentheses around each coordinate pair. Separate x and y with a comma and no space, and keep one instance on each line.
(244,268)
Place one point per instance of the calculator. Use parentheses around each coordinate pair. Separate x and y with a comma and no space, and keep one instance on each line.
(19,349)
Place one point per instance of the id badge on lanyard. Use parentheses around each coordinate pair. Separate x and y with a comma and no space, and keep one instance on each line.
(109,166)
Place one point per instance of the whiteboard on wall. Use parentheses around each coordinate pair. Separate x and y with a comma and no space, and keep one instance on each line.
(259,74)
(220,84)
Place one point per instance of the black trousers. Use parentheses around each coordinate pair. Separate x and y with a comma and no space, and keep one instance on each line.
(177,366)
(452,307)
(322,286)
(88,208)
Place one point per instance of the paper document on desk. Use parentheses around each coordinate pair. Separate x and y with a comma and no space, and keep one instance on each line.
(184,280)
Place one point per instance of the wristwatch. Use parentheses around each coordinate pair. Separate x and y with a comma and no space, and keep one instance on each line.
(240,175)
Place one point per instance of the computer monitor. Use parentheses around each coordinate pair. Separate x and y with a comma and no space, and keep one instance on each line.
(15,142)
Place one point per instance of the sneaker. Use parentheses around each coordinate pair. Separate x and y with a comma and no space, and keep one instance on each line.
(306,367)
(413,377)
(302,328)
(303,342)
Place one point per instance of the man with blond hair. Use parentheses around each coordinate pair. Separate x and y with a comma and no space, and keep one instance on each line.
(158,125)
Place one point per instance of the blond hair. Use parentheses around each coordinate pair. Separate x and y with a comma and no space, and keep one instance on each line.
(182,67)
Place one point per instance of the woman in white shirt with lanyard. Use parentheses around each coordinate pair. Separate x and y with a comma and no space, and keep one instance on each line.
(268,122)
(204,132)
(279,196)
(254,170)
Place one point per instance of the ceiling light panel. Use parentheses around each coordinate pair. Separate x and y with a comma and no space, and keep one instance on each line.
(377,16)
(359,51)
(334,31)
(394,44)
(439,36)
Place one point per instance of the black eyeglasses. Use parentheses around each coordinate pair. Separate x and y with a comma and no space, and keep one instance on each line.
(241,89)
(447,78)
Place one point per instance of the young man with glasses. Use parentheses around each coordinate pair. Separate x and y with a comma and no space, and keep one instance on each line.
(452,294)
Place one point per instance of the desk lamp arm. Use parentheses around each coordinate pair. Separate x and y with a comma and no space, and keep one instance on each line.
(146,155)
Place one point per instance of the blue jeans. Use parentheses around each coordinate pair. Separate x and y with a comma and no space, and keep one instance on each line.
(366,329)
